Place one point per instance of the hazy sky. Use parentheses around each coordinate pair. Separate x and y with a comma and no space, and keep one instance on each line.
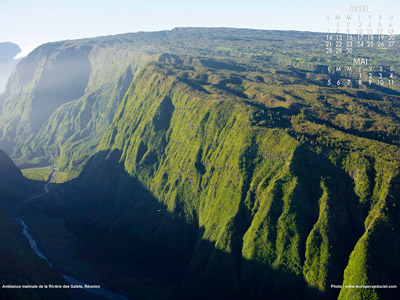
(33,22)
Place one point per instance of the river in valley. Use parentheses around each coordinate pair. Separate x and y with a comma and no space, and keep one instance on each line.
(70,280)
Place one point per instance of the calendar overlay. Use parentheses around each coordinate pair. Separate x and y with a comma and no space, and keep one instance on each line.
(362,49)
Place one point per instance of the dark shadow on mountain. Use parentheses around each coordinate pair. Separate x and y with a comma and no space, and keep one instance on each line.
(128,233)
(271,117)
(380,136)
(235,81)
(193,84)
(14,187)
(346,213)
(219,65)
(18,264)
(384,90)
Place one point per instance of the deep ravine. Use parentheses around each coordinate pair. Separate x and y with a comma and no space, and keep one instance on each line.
(70,280)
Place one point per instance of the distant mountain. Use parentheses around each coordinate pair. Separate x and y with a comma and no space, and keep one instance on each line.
(7,62)
(8,51)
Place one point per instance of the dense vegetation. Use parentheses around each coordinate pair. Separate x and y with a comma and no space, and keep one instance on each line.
(215,163)
(43,174)
(63,96)
(39,174)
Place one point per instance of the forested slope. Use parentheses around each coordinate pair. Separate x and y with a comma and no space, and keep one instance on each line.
(242,197)
(215,163)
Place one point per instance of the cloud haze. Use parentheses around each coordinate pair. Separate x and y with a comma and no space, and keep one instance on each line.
(26,51)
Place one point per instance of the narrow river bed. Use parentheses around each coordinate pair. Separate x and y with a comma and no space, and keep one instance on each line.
(70,280)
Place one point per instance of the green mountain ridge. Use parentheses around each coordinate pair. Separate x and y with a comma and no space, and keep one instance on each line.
(63,96)
(213,164)
(266,212)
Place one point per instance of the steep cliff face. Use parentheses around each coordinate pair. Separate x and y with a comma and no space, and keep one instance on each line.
(60,100)
(63,96)
(7,166)
(188,178)
(215,163)
(14,186)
